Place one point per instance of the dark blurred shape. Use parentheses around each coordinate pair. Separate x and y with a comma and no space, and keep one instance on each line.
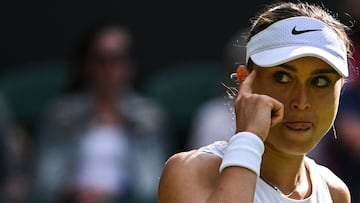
(181,88)
(15,157)
(28,87)
(101,140)
(215,119)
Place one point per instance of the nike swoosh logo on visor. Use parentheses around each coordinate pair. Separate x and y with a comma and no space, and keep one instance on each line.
(298,32)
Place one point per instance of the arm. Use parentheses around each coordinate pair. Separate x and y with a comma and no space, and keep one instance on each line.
(193,177)
(182,180)
(236,184)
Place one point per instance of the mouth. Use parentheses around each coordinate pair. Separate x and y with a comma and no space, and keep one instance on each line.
(299,125)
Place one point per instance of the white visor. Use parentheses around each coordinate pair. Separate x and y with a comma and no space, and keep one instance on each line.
(298,37)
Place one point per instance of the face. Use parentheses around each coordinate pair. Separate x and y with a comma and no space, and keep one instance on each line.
(110,64)
(309,88)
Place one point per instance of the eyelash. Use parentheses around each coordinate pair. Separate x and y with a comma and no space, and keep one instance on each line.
(316,79)
(278,76)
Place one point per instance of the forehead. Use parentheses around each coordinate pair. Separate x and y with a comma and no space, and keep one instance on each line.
(311,65)
(112,39)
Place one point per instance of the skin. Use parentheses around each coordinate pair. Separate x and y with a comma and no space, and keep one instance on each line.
(109,69)
(109,65)
(290,107)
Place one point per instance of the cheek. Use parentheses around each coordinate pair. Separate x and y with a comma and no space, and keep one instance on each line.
(329,104)
(326,110)
(329,101)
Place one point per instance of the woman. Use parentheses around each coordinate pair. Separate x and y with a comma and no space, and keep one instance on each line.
(98,131)
(297,58)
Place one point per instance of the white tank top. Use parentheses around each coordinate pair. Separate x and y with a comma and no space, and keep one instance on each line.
(266,194)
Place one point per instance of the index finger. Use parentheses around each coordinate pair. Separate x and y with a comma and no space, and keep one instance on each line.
(246,85)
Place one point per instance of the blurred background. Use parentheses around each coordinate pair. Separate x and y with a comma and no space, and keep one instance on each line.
(161,89)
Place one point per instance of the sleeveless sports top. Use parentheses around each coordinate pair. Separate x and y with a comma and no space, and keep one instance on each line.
(267,194)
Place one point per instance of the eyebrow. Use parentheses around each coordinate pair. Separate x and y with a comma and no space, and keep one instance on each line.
(318,71)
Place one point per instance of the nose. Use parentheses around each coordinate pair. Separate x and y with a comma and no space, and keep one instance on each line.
(300,98)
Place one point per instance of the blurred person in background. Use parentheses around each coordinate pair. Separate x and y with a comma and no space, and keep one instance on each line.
(214,120)
(101,141)
(15,158)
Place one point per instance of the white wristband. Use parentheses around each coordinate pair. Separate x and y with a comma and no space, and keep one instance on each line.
(245,149)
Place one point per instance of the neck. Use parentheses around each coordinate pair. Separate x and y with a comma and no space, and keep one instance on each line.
(285,172)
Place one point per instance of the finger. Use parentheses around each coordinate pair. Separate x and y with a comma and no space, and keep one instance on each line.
(246,85)
(277,112)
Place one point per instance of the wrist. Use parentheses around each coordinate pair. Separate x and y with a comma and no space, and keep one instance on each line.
(245,149)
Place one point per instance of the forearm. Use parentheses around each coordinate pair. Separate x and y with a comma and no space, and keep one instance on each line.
(236,184)
(239,169)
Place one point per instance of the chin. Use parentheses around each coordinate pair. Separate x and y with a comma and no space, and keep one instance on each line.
(293,148)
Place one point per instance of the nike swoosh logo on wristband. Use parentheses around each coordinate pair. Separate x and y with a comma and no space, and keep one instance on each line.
(298,32)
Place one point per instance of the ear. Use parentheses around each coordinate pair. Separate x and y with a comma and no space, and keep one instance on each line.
(241,73)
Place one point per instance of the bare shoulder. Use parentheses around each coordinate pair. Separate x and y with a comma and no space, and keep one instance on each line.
(188,177)
(338,189)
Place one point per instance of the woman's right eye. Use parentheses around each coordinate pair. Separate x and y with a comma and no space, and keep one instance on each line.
(282,77)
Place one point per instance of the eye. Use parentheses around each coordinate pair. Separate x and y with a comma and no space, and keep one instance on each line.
(282,77)
(320,81)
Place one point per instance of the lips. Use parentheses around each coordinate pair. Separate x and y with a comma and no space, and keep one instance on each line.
(299,125)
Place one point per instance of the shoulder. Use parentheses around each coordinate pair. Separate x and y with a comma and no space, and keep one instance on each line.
(191,164)
(188,177)
(194,159)
(338,189)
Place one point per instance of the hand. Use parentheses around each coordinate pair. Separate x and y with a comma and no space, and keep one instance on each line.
(254,112)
